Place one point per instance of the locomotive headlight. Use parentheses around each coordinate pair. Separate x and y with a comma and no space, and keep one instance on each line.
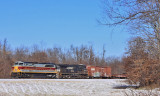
(58,70)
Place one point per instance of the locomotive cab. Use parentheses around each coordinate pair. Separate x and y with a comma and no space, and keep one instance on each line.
(19,64)
(16,65)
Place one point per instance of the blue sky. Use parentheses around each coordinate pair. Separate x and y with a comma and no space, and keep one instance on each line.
(59,23)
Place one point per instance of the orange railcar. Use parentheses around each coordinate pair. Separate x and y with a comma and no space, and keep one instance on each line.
(98,72)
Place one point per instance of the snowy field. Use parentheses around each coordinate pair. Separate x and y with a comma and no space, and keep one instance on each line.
(63,87)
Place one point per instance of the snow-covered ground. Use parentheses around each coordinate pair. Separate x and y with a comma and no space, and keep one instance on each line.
(62,87)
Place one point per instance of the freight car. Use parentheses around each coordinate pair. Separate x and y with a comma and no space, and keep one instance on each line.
(99,72)
(34,70)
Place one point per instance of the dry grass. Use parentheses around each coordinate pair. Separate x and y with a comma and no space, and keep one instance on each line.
(149,92)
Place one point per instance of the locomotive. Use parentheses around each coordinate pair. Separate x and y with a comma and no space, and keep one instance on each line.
(50,70)
(68,71)
(34,70)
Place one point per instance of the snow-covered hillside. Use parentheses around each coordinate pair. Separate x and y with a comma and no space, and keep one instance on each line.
(61,87)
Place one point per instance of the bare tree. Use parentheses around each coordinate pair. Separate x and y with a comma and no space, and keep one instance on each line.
(116,64)
(54,54)
(91,56)
(143,18)
(139,66)
(38,55)
(5,60)
(21,54)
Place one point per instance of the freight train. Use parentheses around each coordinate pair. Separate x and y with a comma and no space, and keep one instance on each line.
(50,70)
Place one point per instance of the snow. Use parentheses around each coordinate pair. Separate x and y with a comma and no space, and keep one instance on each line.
(63,87)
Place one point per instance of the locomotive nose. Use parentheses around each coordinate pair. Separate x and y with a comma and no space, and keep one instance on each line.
(15,69)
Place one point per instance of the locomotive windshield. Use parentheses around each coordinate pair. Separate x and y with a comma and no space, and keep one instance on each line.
(16,64)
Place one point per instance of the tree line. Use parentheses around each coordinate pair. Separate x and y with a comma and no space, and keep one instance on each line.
(74,55)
